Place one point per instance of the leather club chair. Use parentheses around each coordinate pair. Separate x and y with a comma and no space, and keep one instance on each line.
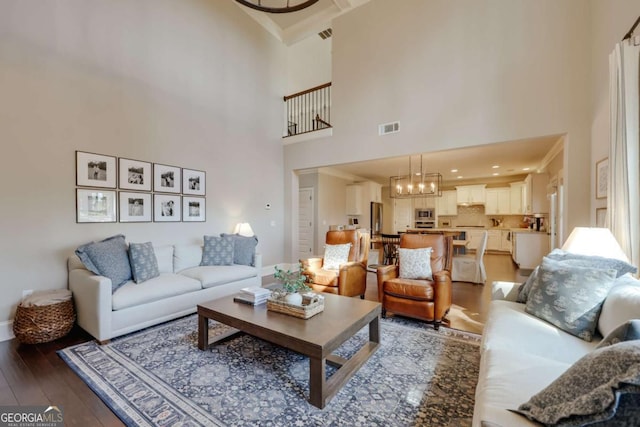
(428,300)
(351,278)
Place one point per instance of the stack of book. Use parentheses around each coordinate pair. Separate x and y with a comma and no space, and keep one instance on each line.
(254,295)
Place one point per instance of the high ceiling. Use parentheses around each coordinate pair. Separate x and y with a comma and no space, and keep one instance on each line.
(295,26)
(472,163)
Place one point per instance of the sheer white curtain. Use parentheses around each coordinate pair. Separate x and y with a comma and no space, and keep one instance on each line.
(623,204)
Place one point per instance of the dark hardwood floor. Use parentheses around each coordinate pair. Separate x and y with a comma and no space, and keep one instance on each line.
(36,375)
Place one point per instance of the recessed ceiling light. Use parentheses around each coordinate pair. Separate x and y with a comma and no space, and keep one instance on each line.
(459,176)
(525,169)
(496,174)
(454,170)
(495,166)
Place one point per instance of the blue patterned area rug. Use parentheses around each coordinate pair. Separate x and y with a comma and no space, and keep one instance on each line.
(158,377)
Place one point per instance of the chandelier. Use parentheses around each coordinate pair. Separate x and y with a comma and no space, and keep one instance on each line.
(416,184)
(277,6)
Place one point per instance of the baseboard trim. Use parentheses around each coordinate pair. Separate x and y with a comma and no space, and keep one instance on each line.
(6,330)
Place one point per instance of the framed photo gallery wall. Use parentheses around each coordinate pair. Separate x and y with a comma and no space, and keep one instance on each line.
(110,189)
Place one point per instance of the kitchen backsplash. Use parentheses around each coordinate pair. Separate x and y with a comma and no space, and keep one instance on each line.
(474,215)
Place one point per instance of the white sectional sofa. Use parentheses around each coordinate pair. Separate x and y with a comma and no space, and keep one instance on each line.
(521,354)
(181,285)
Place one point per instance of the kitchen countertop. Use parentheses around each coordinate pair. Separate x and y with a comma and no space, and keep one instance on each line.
(454,229)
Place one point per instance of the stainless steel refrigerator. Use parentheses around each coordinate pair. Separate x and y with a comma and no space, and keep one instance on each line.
(376,218)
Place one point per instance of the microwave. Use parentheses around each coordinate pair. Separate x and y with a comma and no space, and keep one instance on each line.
(425,214)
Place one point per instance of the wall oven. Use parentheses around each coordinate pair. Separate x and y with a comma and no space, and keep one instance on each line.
(425,224)
(425,214)
(425,218)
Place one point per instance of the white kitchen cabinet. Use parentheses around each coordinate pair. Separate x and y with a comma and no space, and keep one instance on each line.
(535,190)
(499,240)
(529,248)
(355,199)
(424,203)
(498,201)
(360,195)
(494,240)
(471,194)
(517,198)
(447,204)
(374,190)
(505,241)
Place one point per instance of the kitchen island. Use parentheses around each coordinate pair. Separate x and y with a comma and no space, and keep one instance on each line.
(499,239)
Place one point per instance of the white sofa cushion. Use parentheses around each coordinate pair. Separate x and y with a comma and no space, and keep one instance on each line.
(622,304)
(509,327)
(164,255)
(164,286)
(186,256)
(216,275)
(507,379)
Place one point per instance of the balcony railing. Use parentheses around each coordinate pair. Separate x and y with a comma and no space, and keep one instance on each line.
(309,110)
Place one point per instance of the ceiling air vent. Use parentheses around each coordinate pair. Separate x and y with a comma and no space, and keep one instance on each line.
(388,128)
(326,33)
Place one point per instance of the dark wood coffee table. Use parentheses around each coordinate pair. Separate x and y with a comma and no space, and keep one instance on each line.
(317,337)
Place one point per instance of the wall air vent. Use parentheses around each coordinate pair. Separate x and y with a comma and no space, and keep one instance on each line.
(388,128)
(326,33)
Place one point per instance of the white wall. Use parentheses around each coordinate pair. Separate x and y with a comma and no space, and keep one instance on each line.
(459,73)
(193,83)
(308,64)
(332,205)
(611,21)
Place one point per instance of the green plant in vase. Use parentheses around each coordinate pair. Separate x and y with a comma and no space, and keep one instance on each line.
(293,283)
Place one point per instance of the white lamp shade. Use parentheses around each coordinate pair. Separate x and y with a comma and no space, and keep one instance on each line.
(243,229)
(594,241)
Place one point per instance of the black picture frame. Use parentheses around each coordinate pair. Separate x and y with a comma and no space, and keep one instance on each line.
(95,170)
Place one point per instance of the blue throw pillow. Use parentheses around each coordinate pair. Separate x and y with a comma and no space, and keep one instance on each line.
(144,264)
(577,260)
(217,250)
(107,258)
(569,297)
(243,248)
(593,261)
(523,294)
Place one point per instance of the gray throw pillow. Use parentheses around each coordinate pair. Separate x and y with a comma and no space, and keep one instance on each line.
(217,250)
(602,387)
(107,258)
(593,261)
(569,297)
(144,264)
(243,248)
(523,294)
(577,260)
(628,331)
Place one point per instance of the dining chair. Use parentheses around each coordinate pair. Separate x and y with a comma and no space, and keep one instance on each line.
(470,268)
(390,243)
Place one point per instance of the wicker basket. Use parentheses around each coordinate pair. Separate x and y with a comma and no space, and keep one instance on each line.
(301,311)
(43,323)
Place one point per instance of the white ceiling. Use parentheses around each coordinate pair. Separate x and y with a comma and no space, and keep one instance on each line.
(472,164)
(295,26)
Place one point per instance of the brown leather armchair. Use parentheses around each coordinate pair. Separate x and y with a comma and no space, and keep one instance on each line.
(428,300)
(351,278)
